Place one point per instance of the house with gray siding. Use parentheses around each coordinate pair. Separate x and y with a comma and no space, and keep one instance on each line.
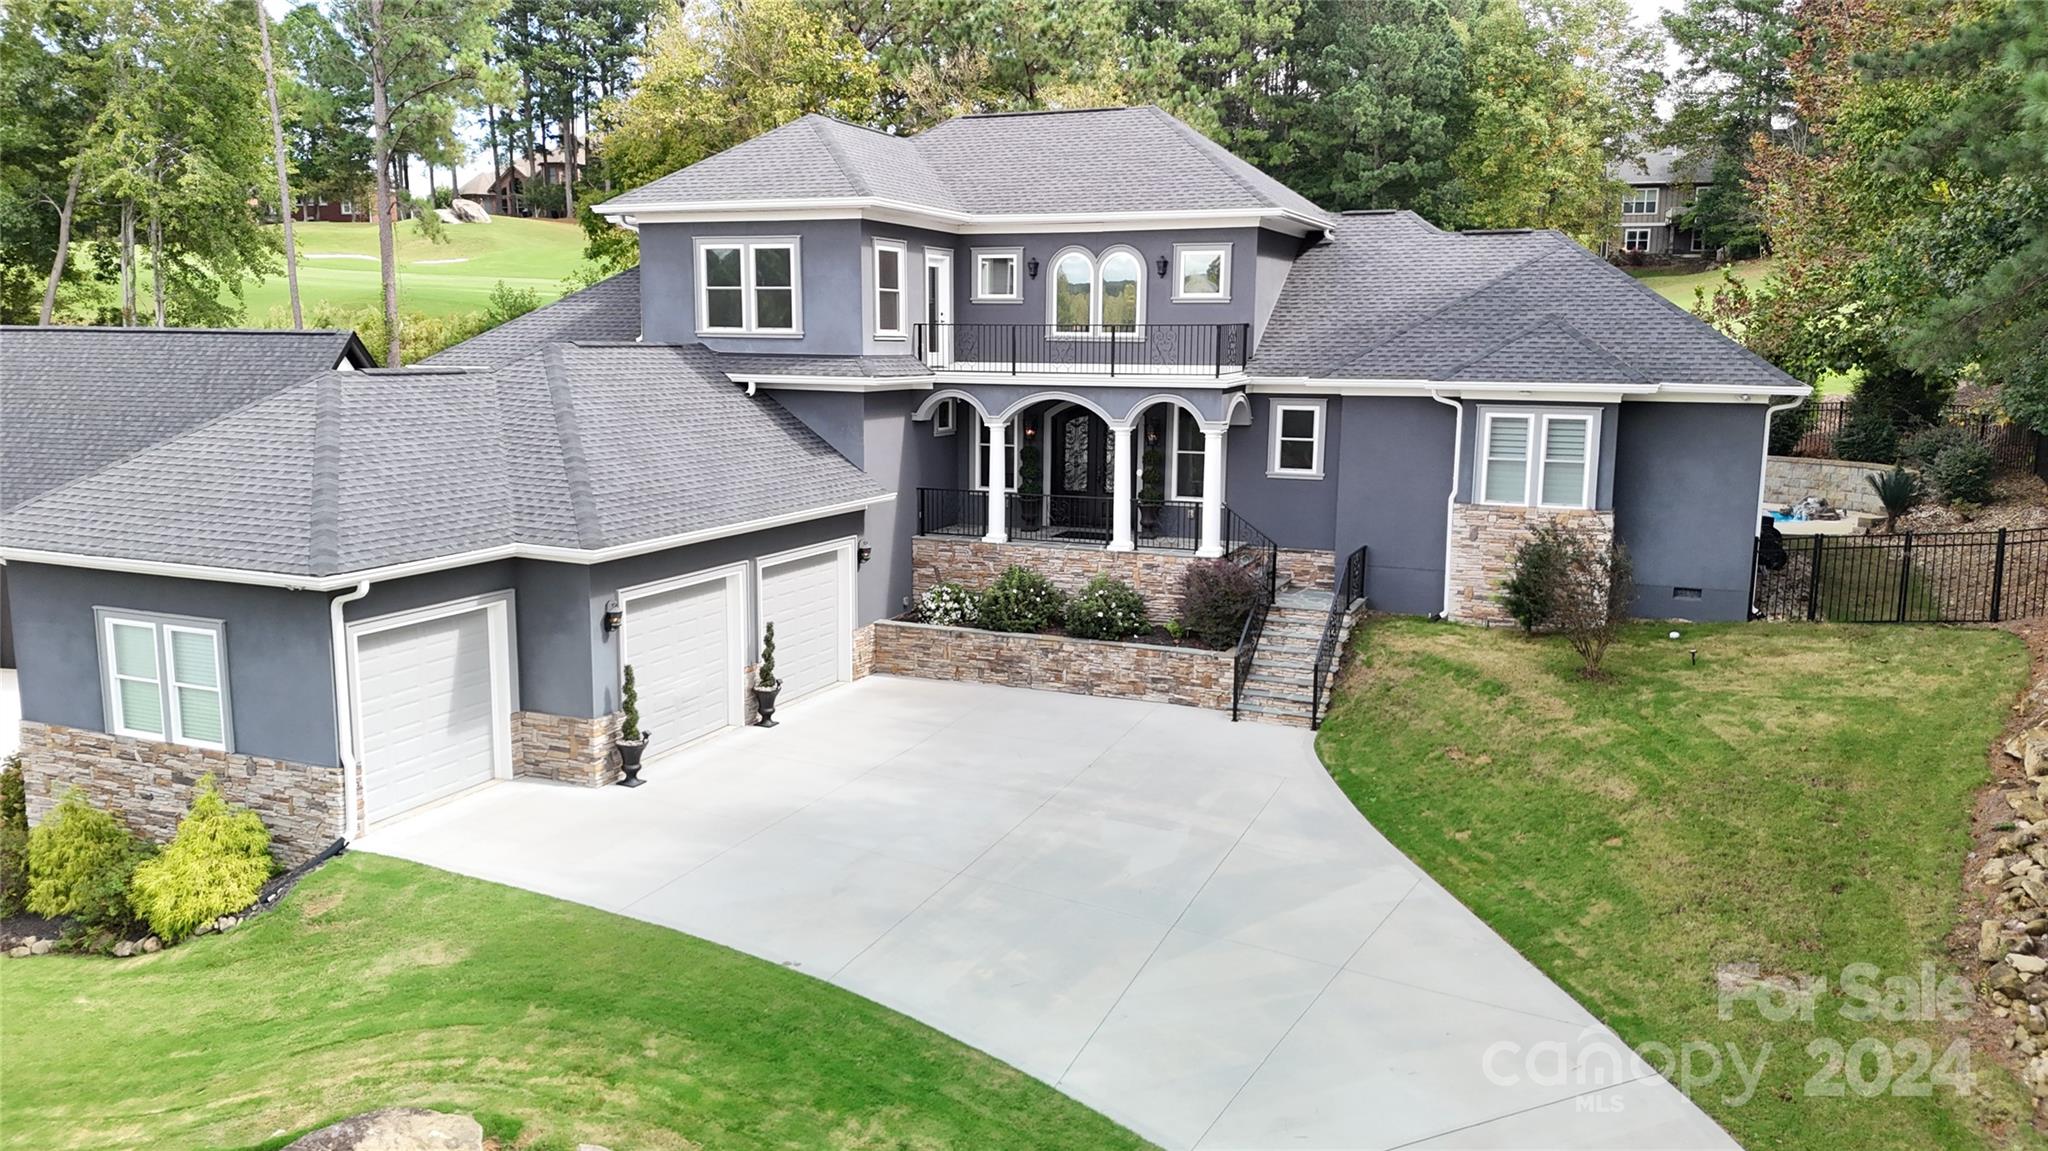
(1658,189)
(850,365)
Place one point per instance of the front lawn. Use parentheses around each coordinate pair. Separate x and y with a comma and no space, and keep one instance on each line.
(1799,800)
(382,983)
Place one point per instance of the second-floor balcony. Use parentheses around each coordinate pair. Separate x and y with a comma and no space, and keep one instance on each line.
(1211,350)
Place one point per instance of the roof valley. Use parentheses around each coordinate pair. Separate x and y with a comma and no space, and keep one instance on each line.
(323,536)
(575,464)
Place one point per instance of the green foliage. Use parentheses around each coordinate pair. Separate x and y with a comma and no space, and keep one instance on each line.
(629,708)
(1152,477)
(1216,596)
(1108,608)
(1790,426)
(1021,600)
(424,334)
(426,221)
(1922,446)
(1867,436)
(1962,473)
(80,860)
(1736,83)
(764,674)
(1898,490)
(1534,575)
(13,839)
(508,304)
(443,196)
(949,605)
(215,865)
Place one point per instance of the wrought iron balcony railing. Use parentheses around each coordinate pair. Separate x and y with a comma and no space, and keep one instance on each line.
(1088,349)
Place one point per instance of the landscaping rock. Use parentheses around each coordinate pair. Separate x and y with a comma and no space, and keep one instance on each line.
(2026,964)
(2003,979)
(124,949)
(152,945)
(396,1129)
(1993,872)
(227,923)
(469,211)
(40,947)
(1989,946)
(20,952)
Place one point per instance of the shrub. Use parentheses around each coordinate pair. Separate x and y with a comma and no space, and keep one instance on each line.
(13,839)
(1216,596)
(949,604)
(1590,601)
(79,863)
(764,673)
(214,866)
(1962,473)
(1867,436)
(1021,600)
(1533,577)
(508,304)
(1790,426)
(1108,608)
(1898,490)
(1922,446)
(629,708)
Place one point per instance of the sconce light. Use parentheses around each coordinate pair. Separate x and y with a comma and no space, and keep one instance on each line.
(613,617)
(1160,264)
(1031,267)
(1030,431)
(863,553)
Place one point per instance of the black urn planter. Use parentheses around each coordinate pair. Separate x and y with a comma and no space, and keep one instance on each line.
(1148,520)
(629,758)
(764,702)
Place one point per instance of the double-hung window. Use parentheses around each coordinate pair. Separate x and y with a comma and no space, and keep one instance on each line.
(165,678)
(889,288)
(1189,459)
(750,287)
(1635,239)
(1201,273)
(1538,458)
(1009,455)
(1639,201)
(1297,448)
(995,276)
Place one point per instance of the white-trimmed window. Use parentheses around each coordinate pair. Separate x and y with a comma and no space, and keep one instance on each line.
(1187,461)
(1635,239)
(1201,273)
(1696,242)
(997,279)
(1639,201)
(750,287)
(1097,296)
(1297,446)
(889,262)
(165,678)
(981,454)
(1538,458)
(945,419)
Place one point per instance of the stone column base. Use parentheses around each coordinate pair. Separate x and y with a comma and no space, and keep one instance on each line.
(566,749)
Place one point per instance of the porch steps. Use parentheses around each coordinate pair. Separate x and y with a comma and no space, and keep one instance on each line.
(1283,670)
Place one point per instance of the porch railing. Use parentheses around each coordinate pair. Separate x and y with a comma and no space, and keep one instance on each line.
(1258,553)
(1108,349)
(1169,527)
(1349,592)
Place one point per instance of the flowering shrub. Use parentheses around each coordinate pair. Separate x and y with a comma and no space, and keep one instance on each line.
(1108,608)
(1021,600)
(949,604)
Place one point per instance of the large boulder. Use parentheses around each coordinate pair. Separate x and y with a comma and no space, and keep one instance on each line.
(448,215)
(396,1129)
(469,211)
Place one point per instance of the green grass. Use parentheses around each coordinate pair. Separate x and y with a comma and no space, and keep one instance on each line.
(1799,799)
(381,983)
(1682,287)
(523,253)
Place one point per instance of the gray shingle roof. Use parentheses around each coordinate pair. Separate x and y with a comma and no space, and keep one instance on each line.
(606,310)
(743,365)
(1390,296)
(1097,160)
(581,446)
(76,399)
(1664,166)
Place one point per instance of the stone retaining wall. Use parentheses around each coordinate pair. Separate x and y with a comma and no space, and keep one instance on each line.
(1189,676)
(1312,570)
(150,785)
(1483,542)
(1843,483)
(976,564)
(564,748)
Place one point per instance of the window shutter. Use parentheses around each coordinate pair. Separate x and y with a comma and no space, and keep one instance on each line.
(1507,461)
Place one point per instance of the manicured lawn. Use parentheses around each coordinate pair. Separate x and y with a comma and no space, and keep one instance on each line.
(333,269)
(1799,800)
(1682,287)
(383,983)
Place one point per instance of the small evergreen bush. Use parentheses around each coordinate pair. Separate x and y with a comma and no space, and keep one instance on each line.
(1534,576)
(1867,436)
(1108,608)
(1962,473)
(214,866)
(79,863)
(1921,447)
(13,839)
(1789,427)
(1021,600)
(629,708)
(1216,596)
(949,604)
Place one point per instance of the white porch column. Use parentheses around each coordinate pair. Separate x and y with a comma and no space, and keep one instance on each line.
(1212,493)
(1120,459)
(998,456)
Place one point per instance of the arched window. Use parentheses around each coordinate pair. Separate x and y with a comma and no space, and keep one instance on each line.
(1073,292)
(1098,297)
(1122,281)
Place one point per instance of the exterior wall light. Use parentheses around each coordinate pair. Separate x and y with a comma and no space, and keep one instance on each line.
(863,553)
(1160,264)
(613,617)
(1031,267)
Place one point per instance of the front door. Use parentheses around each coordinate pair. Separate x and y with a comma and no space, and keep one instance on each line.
(1079,471)
(938,308)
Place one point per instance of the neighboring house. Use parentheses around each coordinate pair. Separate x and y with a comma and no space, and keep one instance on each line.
(851,365)
(499,192)
(1661,186)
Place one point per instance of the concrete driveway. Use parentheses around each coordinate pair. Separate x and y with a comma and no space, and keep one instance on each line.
(1177,920)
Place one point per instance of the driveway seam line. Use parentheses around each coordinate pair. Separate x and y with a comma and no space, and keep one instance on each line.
(1525,1110)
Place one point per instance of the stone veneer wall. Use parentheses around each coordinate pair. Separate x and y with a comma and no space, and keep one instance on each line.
(1189,676)
(863,651)
(150,785)
(1843,483)
(976,564)
(1311,570)
(1483,543)
(564,748)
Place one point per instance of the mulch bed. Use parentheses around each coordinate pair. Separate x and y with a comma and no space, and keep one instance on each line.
(19,929)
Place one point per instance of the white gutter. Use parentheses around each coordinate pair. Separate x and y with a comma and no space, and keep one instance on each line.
(1451,501)
(1763,472)
(293,582)
(730,209)
(344,725)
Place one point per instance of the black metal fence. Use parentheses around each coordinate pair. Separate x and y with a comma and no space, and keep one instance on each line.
(1110,349)
(1167,527)
(2013,444)
(1929,577)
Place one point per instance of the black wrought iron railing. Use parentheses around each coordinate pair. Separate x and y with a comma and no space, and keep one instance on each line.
(1348,594)
(1258,553)
(1165,527)
(1108,349)
(952,512)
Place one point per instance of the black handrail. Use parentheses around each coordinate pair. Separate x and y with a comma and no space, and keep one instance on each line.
(1350,590)
(1252,548)
(1113,349)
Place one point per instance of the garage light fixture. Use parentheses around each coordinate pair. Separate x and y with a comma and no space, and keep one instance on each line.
(864,552)
(613,617)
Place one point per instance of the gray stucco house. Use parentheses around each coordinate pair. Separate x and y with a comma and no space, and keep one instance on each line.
(849,365)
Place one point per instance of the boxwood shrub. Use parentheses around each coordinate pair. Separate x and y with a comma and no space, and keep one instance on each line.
(1021,600)
(1108,608)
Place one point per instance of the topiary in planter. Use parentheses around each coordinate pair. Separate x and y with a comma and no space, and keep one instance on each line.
(214,866)
(1216,596)
(1108,608)
(1021,600)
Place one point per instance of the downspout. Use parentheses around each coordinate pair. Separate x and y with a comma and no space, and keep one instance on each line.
(1763,473)
(344,728)
(1451,502)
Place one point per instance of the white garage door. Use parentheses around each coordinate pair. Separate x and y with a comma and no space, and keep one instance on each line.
(682,645)
(429,722)
(802,598)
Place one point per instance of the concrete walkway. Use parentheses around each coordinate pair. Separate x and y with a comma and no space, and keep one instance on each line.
(1177,920)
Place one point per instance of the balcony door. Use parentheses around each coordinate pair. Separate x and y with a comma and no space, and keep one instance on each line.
(1078,473)
(938,307)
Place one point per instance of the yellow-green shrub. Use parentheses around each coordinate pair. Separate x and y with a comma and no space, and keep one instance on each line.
(79,863)
(13,839)
(215,865)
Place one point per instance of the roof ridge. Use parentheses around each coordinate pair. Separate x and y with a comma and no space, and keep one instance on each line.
(1194,141)
(1644,289)
(1553,320)
(323,535)
(1447,305)
(575,465)
(832,148)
